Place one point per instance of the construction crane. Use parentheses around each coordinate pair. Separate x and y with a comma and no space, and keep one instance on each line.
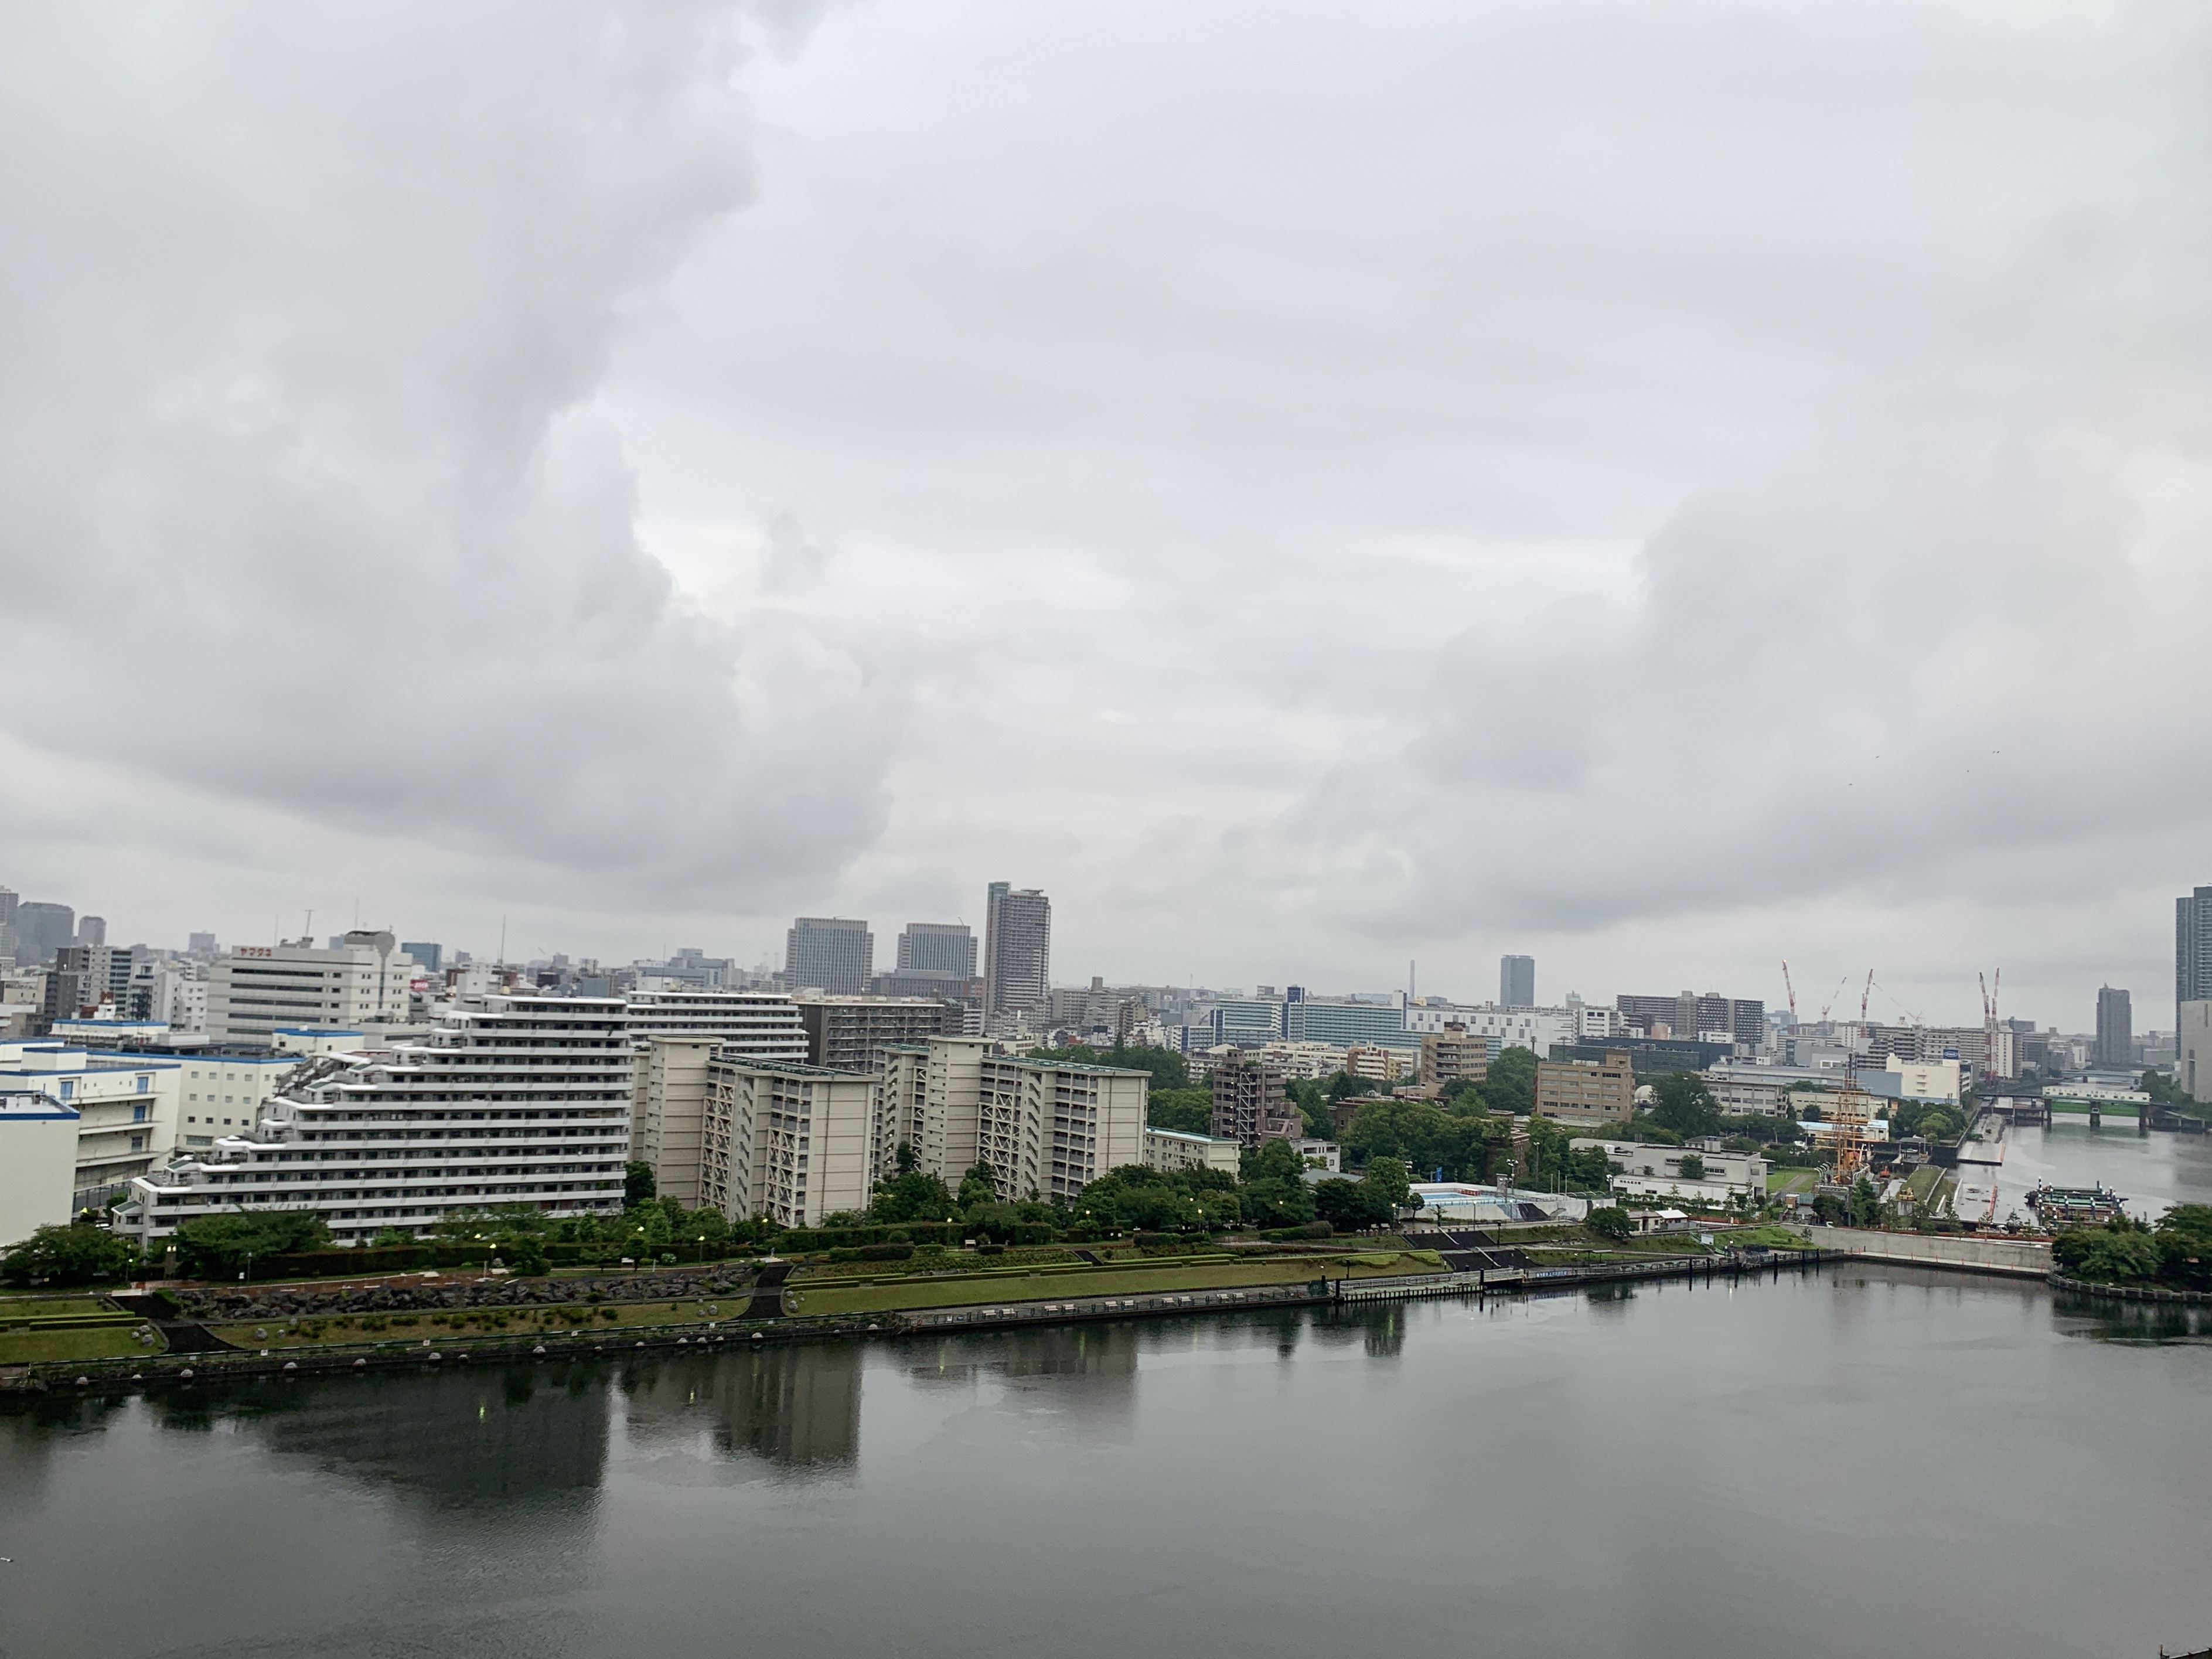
(1864,994)
(1833,995)
(1791,990)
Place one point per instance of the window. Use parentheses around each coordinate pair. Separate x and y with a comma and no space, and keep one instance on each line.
(69,1087)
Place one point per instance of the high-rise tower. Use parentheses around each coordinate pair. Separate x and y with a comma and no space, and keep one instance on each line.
(1016,950)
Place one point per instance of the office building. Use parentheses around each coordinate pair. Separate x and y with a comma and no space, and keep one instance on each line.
(41,929)
(1049,1129)
(362,984)
(1452,1054)
(1534,1029)
(509,1099)
(1586,1091)
(38,1159)
(850,1034)
(2116,1033)
(1516,981)
(1248,1104)
(426,955)
(2192,947)
(92,930)
(1016,952)
(794,1143)
(831,954)
(1690,1018)
(937,948)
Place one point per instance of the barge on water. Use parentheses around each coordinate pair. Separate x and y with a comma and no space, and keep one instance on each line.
(2057,1207)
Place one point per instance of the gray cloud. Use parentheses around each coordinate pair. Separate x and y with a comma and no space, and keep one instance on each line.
(297,469)
(1308,488)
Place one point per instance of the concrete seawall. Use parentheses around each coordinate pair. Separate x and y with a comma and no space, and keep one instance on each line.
(2010,1258)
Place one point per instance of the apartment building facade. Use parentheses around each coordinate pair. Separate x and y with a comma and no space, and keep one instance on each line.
(509,1099)
(793,1142)
(1585,1090)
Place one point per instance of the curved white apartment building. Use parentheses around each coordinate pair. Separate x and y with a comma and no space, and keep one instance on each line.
(508,1100)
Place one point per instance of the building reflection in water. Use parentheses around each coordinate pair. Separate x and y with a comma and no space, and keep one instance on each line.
(534,1435)
(796,1408)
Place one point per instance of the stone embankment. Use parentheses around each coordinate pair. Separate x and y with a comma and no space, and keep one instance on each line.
(2059,1281)
(2008,1258)
(229,1305)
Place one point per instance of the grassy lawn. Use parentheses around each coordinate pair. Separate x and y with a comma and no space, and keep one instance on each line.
(13,1308)
(1923,1183)
(1103,1281)
(1792,1180)
(99,1342)
(1774,1238)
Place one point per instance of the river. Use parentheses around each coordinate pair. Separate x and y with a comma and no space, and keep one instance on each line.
(2150,1171)
(1863,1461)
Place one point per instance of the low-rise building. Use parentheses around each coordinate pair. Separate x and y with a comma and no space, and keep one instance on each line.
(1379,1064)
(126,1108)
(38,1162)
(1712,1177)
(1172,1149)
(1310,1061)
(1586,1091)
(1323,1155)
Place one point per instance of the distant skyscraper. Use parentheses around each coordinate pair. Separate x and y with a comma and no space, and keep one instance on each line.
(1017,948)
(92,930)
(2192,950)
(937,947)
(429,957)
(41,929)
(829,953)
(1516,981)
(2116,1036)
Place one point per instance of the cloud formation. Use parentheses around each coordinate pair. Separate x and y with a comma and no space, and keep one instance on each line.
(300,510)
(1664,485)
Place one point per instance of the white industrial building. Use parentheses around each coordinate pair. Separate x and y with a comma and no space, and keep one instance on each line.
(1642,1171)
(1172,1150)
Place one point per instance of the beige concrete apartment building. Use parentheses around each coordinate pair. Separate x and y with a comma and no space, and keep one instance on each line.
(793,1142)
(1452,1053)
(1586,1090)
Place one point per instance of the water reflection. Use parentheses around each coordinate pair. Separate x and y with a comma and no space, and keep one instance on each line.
(2108,1321)
(490,1437)
(796,1408)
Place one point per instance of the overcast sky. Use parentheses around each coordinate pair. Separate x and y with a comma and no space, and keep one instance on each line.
(1661,487)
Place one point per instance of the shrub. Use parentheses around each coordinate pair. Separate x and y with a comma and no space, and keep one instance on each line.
(886,1251)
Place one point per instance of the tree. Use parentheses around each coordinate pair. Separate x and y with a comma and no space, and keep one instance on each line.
(221,1246)
(1348,1205)
(978,1186)
(913,1196)
(1386,1183)
(1693,1167)
(1343,1087)
(1866,1202)
(638,1184)
(2123,1251)
(1609,1221)
(1509,1085)
(1313,1106)
(77,1254)
(393,1238)
(1682,1102)
(1828,1207)
(1188,1111)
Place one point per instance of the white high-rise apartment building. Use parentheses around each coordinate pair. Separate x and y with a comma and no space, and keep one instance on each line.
(763,1025)
(510,1099)
(258,990)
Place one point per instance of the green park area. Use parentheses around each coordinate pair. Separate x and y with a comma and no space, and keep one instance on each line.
(40,1328)
(853,1296)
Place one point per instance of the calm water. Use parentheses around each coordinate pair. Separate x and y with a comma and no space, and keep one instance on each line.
(1871,1462)
(2150,1171)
